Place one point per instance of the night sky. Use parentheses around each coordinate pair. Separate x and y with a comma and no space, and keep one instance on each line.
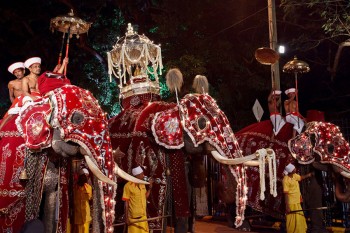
(24,32)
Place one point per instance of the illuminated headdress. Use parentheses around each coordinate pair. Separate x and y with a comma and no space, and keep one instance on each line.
(132,60)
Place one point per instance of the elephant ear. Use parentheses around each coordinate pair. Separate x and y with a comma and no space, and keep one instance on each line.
(32,123)
(167,130)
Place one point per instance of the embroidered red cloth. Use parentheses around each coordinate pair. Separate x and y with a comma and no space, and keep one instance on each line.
(48,83)
(257,136)
(12,156)
(33,123)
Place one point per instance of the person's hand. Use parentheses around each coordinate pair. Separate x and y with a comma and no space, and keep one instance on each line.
(65,61)
(127,221)
(287,209)
(150,181)
(57,67)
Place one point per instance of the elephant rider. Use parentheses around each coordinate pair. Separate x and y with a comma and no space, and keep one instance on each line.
(292,113)
(15,89)
(30,82)
(82,196)
(15,86)
(295,220)
(135,196)
(274,104)
(34,87)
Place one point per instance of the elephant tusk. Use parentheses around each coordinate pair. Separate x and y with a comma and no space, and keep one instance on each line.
(345,174)
(222,159)
(128,177)
(96,171)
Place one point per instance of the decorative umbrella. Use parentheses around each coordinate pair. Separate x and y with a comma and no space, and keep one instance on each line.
(70,25)
(296,66)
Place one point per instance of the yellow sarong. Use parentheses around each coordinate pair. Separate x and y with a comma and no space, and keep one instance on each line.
(295,222)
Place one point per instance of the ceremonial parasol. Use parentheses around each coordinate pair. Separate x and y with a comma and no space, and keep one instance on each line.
(70,25)
(296,66)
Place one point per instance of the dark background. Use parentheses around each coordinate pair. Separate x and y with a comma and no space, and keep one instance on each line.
(214,38)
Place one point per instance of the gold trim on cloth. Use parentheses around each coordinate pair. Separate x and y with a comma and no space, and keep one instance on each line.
(10,134)
(128,135)
(11,193)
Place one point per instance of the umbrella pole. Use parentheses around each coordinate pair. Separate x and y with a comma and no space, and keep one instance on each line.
(274,101)
(60,54)
(296,95)
(67,50)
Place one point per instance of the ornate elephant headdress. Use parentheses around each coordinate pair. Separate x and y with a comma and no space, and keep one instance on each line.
(133,59)
(326,140)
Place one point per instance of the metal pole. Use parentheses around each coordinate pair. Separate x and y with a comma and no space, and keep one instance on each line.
(275,73)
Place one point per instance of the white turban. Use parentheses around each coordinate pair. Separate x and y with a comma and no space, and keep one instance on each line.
(15,65)
(84,171)
(31,61)
(137,171)
(276,92)
(290,90)
(289,168)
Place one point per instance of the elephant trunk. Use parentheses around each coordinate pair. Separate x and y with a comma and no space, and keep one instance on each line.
(342,191)
(61,147)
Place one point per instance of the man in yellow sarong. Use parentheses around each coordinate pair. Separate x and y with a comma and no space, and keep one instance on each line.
(295,219)
(82,196)
(135,196)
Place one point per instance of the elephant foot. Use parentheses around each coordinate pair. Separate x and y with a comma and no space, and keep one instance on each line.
(245,226)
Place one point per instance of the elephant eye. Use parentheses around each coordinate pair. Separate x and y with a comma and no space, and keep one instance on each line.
(77,118)
(313,139)
(202,122)
(330,148)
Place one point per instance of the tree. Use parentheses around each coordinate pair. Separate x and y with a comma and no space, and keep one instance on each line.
(329,22)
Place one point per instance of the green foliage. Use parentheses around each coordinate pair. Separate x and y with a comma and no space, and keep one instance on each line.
(335,15)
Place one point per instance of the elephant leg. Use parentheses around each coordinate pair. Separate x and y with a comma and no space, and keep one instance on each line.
(181,225)
(315,201)
(50,205)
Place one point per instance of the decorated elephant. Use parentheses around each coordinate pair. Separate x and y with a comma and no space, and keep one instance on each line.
(158,136)
(320,147)
(254,137)
(41,141)
(152,135)
(323,145)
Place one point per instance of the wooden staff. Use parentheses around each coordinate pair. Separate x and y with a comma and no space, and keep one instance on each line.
(141,220)
(67,50)
(317,208)
(61,51)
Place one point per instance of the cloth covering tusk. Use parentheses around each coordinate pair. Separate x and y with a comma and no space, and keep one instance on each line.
(128,177)
(96,171)
(222,159)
